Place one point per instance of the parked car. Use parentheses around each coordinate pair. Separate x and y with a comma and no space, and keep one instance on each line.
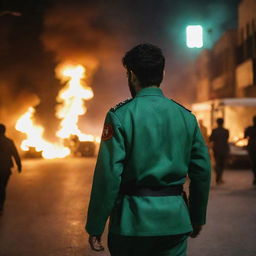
(238,157)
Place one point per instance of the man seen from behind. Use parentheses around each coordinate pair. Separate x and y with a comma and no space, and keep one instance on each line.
(219,138)
(149,146)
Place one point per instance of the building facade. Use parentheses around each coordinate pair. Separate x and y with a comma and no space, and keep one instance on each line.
(246,50)
(228,70)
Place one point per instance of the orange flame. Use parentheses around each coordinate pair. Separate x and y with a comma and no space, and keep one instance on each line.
(72,98)
(34,133)
(239,140)
(71,106)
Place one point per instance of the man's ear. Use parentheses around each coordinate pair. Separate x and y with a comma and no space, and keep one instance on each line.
(134,78)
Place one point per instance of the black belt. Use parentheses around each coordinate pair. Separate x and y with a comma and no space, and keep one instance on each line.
(151,191)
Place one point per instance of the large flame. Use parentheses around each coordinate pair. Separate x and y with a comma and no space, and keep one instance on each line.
(72,98)
(34,133)
(239,140)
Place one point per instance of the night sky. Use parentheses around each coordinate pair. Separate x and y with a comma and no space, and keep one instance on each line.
(96,34)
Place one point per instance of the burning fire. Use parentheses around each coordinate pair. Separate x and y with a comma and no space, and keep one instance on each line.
(72,98)
(35,139)
(71,106)
(240,141)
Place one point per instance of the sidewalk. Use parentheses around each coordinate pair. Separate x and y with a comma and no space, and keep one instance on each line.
(231,221)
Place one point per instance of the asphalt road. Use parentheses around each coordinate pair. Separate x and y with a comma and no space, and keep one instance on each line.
(46,211)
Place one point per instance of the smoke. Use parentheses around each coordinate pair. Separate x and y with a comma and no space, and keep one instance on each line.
(78,34)
(16,93)
(23,69)
(12,107)
(82,33)
(218,18)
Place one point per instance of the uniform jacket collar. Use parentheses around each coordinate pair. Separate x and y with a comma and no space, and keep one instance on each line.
(150,91)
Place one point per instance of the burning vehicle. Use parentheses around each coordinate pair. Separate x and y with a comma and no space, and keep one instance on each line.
(80,148)
(237,114)
(32,153)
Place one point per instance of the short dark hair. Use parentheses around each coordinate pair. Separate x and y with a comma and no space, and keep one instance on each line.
(220,121)
(2,129)
(147,62)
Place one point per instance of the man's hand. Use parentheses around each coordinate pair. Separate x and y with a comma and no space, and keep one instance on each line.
(95,243)
(20,169)
(196,231)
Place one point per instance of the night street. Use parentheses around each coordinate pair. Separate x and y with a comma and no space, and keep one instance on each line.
(46,208)
(153,87)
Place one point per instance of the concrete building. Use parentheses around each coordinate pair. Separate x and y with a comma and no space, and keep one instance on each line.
(226,77)
(203,76)
(228,70)
(223,66)
(246,50)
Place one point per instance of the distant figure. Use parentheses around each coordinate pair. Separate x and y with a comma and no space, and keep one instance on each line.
(219,137)
(203,131)
(7,151)
(250,133)
(207,142)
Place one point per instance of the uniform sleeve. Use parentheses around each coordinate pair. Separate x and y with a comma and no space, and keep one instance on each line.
(107,175)
(15,154)
(200,175)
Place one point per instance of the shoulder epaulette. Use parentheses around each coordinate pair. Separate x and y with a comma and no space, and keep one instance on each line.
(120,104)
(180,105)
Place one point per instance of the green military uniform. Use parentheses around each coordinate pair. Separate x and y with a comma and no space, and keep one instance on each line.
(149,141)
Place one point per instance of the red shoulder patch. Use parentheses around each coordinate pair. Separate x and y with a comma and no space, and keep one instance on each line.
(107,132)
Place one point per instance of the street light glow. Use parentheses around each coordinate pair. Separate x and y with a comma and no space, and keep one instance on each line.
(194,36)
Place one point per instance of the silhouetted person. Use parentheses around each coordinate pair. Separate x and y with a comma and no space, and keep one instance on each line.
(250,133)
(7,152)
(219,137)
